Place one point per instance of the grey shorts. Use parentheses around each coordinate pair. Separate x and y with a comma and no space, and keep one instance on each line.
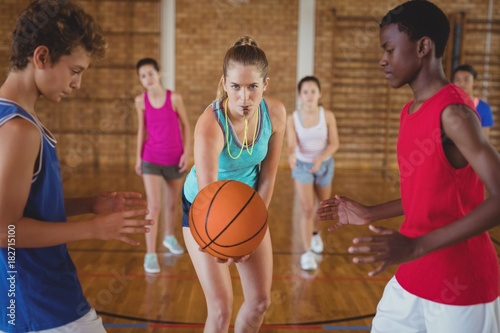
(166,171)
(323,177)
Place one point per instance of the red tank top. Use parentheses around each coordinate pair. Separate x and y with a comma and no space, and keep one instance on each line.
(435,194)
(163,144)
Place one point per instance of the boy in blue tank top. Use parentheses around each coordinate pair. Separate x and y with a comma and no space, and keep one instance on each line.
(39,283)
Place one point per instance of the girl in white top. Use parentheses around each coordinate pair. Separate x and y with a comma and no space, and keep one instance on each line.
(312,140)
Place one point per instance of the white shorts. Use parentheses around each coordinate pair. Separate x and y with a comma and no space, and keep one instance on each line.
(90,323)
(401,312)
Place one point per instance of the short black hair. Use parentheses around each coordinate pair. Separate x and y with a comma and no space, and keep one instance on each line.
(464,68)
(147,61)
(419,18)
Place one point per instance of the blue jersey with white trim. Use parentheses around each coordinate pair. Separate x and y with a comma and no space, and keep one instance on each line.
(40,287)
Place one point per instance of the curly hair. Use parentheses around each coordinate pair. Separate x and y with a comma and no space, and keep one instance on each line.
(61,26)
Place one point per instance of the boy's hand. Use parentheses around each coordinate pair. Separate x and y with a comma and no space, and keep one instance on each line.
(389,247)
(343,210)
(118,225)
(109,202)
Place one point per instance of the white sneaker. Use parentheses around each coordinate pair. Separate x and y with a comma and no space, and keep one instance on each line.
(171,243)
(308,261)
(151,263)
(317,244)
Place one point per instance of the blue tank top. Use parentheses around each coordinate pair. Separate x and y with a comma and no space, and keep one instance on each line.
(246,168)
(40,288)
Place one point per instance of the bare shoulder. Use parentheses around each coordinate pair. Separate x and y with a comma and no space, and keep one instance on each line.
(207,120)
(207,127)
(19,127)
(139,102)
(19,131)
(177,102)
(460,110)
(330,117)
(456,117)
(462,126)
(175,96)
(275,106)
(277,112)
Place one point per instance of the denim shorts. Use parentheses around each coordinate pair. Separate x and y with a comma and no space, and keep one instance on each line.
(322,178)
(166,171)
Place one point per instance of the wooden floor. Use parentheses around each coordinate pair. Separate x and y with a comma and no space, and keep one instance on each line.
(338,297)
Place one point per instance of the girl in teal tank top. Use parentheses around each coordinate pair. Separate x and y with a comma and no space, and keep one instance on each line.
(238,137)
(246,167)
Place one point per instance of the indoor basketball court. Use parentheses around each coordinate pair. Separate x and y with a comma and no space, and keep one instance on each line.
(335,40)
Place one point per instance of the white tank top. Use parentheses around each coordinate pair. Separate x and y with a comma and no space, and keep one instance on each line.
(311,141)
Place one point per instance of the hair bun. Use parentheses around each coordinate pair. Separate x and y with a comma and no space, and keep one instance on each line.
(245,40)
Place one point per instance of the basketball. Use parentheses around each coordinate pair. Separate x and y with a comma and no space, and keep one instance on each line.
(228,219)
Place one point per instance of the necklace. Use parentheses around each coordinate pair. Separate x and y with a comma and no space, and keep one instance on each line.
(245,132)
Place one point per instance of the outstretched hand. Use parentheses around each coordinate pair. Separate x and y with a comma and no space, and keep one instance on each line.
(120,225)
(388,247)
(108,202)
(343,210)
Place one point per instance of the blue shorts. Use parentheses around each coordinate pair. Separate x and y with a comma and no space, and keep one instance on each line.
(186,206)
(323,177)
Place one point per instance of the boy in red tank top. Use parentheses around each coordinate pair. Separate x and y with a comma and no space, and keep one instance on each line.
(448,278)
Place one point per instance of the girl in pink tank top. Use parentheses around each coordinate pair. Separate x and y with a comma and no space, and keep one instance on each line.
(163,141)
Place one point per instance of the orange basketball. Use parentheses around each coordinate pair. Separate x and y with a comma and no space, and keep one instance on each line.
(228,219)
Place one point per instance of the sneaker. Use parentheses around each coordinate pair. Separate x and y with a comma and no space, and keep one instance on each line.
(308,261)
(151,263)
(171,243)
(317,244)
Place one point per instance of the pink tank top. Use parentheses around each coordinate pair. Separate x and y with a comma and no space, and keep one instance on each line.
(163,144)
(435,194)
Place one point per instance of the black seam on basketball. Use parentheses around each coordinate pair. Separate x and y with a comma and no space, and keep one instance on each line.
(193,226)
(208,212)
(248,239)
(220,253)
(212,241)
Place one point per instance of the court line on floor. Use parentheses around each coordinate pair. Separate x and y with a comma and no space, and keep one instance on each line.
(156,323)
(276,253)
(288,328)
(234,277)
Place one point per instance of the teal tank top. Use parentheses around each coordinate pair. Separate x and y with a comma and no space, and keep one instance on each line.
(246,168)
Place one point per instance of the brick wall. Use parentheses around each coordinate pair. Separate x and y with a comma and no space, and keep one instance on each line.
(97,125)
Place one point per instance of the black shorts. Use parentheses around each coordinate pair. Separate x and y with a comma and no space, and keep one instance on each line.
(186,206)
(166,171)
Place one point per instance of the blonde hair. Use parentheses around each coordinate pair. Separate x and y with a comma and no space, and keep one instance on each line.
(245,52)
